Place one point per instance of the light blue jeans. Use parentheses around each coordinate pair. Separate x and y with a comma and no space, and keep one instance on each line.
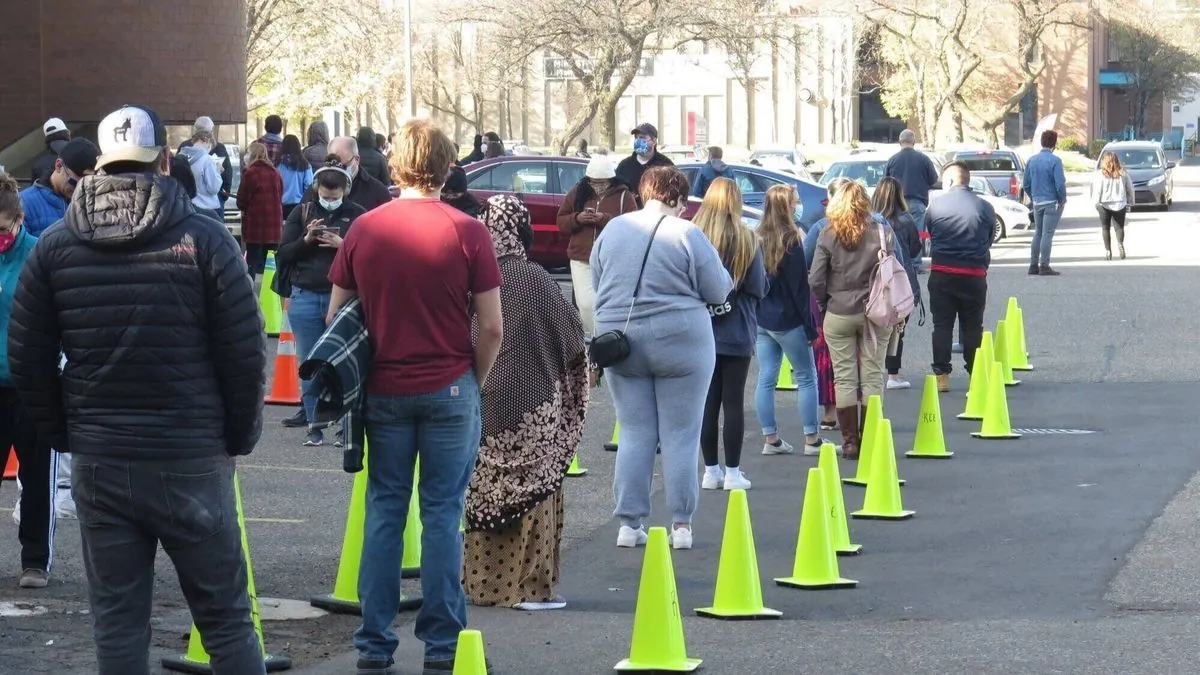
(442,427)
(771,347)
(1045,219)
(917,211)
(306,315)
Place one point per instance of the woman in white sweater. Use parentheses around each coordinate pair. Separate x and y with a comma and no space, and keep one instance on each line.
(1112,193)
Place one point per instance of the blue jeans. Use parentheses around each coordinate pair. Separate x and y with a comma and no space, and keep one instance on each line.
(771,347)
(917,211)
(1045,219)
(306,314)
(443,428)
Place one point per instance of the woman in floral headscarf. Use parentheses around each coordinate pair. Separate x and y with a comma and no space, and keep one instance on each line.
(533,413)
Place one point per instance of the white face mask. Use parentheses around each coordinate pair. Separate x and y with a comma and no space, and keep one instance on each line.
(203,146)
(330,205)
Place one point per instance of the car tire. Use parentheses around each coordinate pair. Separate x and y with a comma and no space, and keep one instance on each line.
(999,231)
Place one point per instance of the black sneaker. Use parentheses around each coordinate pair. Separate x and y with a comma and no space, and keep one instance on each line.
(1034,271)
(296,421)
(374,666)
(314,438)
(447,666)
(1047,271)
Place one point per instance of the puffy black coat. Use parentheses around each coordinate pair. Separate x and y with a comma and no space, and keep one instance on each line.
(156,313)
(374,163)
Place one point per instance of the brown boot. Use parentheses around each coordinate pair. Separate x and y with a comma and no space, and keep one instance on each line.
(943,382)
(848,420)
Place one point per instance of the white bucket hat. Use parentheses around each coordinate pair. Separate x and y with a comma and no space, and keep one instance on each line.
(600,168)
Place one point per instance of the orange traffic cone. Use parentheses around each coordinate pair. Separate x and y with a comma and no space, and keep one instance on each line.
(10,467)
(285,386)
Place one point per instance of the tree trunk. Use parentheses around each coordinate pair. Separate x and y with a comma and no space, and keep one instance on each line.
(578,122)
(993,136)
(751,110)
(957,115)
(608,123)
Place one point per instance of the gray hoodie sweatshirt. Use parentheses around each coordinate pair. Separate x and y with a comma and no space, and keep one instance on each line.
(208,178)
(1113,194)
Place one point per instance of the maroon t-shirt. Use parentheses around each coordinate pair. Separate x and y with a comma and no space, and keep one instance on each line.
(414,263)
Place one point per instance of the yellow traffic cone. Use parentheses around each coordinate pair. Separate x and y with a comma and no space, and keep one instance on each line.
(980,371)
(410,563)
(1016,342)
(816,564)
(575,470)
(269,303)
(1002,354)
(196,659)
(739,590)
(930,442)
(828,464)
(786,381)
(882,500)
(658,641)
(469,658)
(612,446)
(996,425)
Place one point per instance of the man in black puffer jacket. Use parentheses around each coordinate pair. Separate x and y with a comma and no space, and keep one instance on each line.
(163,386)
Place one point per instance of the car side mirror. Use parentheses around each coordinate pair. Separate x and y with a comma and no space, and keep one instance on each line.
(1170,165)
(808,162)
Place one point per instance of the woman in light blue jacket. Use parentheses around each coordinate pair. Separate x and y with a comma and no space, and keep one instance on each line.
(296,171)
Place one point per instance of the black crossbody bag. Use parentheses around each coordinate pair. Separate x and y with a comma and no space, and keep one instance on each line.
(611,348)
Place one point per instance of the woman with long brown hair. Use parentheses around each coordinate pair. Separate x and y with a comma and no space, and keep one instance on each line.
(1112,193)
(734,324)
(847,252)
(888,201)
(786,325)
(260,199)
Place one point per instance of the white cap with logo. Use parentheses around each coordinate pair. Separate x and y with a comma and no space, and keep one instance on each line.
(53,126)
(131,134)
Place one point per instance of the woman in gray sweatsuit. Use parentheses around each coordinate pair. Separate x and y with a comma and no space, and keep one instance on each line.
(659,391)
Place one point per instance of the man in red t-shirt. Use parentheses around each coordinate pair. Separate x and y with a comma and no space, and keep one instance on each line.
(421,267)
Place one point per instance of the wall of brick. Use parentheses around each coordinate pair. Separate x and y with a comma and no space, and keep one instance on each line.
(182,58)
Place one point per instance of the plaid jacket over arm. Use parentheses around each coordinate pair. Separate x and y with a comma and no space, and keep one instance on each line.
(338,366)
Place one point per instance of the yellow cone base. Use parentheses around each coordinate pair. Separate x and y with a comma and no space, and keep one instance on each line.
(684,666)
(965,416)
(1024,369)
(182,664)
(410,573)
(852,549)
(1012,384)
(928,455)
(862,483)
(816,584)
(868,515)
(714,613)
(995,437)
(575,471)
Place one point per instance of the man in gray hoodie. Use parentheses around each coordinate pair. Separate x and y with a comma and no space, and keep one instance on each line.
(715,168)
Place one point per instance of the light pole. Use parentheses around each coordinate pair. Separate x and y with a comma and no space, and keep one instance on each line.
(408,60)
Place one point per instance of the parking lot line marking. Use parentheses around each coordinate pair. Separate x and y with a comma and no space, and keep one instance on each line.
(303,469)
(284,521)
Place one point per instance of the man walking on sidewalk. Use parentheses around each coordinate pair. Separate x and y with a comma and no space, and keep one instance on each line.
(163,386)
(1046,184)
(960,239)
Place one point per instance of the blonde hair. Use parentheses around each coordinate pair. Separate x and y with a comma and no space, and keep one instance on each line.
(849,212)
(257,152)
(778,232)
(10,198)
(720,219)
(1110,165)
(421,156)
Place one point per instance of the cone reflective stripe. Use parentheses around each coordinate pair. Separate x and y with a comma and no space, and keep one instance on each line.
(866,443)
(1019,357)
(739,589)
(196,659)
(1001,354)
(658,642)
(11,465)
(269,303)
(285,384)
(980,372)
(612,446)
(816,564)
(575,470)
(410,564)
(996,425)
(469,658)
(786,381)
(882,499)
(828,464)
(930,440)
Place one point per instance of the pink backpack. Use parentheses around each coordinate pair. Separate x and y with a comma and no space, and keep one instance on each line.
(891,298)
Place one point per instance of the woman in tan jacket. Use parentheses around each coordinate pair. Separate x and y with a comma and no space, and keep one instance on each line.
(586,209)
(840,279)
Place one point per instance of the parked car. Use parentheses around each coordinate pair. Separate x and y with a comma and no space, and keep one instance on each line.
(1149,170)
(754,181)
(865,168)
(1009,212)
(683,153)
(785,160)
(541,183)
(233,217)
(1003,168)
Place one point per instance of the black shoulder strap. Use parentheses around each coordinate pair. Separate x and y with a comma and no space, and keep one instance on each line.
(638,287)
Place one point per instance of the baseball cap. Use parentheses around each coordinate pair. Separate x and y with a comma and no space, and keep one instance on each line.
(204,123)
(131,134)
(645,128)
(53,126)
(79,155)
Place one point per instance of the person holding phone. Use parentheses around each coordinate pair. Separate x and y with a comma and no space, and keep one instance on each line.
(311,238)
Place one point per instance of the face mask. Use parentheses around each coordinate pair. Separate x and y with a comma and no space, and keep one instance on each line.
(330,204)
(598,185)
(641,146)
(7,240)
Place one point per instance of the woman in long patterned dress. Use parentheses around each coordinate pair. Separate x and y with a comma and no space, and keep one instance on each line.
(533,414)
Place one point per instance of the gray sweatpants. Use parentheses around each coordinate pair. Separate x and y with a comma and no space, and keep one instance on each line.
(659,394)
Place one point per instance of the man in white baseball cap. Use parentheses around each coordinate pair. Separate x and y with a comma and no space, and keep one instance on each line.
(205,123)
(163,386)
(57,135)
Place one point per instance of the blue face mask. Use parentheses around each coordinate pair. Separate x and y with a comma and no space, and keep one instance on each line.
(641,146)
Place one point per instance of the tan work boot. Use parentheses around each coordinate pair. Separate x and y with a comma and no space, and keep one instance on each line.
(943,382)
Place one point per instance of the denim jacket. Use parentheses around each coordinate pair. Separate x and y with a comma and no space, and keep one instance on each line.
(1045,180)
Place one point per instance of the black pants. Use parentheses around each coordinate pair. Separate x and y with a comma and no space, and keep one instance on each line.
(1112,220)
(727,392)
(892,361)
(956,297)
(256,257)
(39,480)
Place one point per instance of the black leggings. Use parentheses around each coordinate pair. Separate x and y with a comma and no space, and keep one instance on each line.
(892,362)
(726,391)
(256,257)
(1110,220)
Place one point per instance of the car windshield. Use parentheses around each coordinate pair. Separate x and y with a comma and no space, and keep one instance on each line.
(866,173)
(988,162)
(1135,158)
(773,154)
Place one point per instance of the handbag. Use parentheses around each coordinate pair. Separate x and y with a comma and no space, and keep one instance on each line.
(281,284)
(612,347)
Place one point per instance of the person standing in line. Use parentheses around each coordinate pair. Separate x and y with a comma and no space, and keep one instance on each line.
(654,275)
(785,325)
(295,171)
(734,324)
(588,206)
(645,156)
(582,149)
(1045,182)
(37,472)
(917,176)
(888,201)
(56,135)
(273,126)
(1112,193)
(371,159)
(477,153)
(456,194)
(156,314)
(365,191)
(206,169)
(205,123)
(45,202)
(534,406)
(847,254)
(960,241)
(422,269)
(713,169)
(318,146)
(259,198)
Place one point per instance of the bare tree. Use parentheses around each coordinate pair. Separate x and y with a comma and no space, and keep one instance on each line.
(460,75)
(263,44)
(1161,57)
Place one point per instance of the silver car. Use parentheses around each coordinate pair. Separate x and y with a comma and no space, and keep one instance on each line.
(1149,170)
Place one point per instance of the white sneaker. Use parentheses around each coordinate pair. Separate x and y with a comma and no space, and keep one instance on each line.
(17,513)
(681,538)
(898,384)
(65,505)
(712,479)
(736,480)
(784,448)
(631,538)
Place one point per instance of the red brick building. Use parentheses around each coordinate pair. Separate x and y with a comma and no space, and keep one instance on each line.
(82,59)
